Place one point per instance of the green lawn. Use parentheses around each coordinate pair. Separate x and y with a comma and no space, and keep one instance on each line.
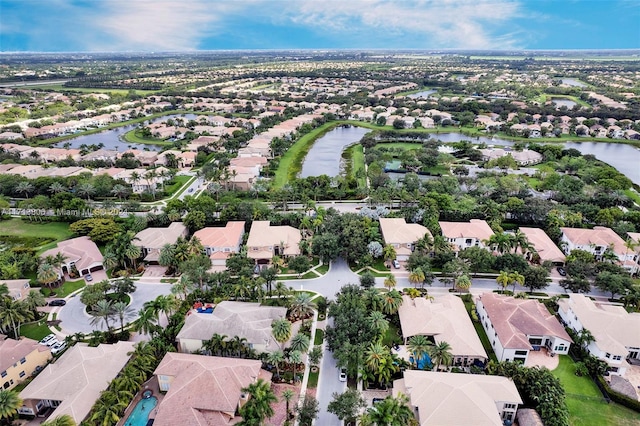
(69,287)
(631,193)
(313,379)
(134,136)
(56,231)
(586,405)
(392,336)
(319,337)
(62,88)
(35,331)
(170,190)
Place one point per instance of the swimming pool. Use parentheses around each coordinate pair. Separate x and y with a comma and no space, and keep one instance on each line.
(140,414)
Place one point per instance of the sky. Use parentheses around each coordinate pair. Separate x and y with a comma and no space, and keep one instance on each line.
(187,25)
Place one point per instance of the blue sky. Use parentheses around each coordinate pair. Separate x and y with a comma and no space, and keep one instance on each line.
(170,25)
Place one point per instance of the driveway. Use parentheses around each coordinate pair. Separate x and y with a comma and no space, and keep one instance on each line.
(74,319)
(328,383)
(330,283)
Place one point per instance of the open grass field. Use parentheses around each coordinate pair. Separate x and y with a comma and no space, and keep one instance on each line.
(61,88)
(586,405)
(134,136)
(50,231)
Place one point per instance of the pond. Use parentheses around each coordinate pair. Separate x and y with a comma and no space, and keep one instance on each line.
(573,82)
(111,139)
(423,94)
(560,102)
(325,155)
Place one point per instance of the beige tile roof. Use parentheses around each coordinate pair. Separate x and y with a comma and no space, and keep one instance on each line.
(446,319)
(456,399)
(515,319)
(613,328)
(17,287)
(262,235)
(78,377)
(12,351)
(398,231)
(229,236)
(475,228)
(156,238)
(545,247)
(243,319)
(205,390)
(599,235)
(81,250)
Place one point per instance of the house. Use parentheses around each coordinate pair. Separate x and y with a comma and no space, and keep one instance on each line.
(459,399)
(598,240)
(19,359)
(79,253)
(517,326)
(522,158)
(74,382)
(402,235)
(544,246)
(18,289)
(444,319)
(266,241)
(152,240)
(219,242)
(204,390)
(616,332)
(243,319)
(466,234)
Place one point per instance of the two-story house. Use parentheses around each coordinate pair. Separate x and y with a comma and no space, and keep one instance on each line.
(597,241)
(152,240)
(517,326)
(466,234)
(402,236)
(19,359)
(615,331)
(266,241)
(219,243)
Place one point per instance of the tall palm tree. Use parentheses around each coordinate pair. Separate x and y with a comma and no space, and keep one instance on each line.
(108,409)
(301,306)
(122,311)
(388,253)
(294,358)
(391,301)
(64,420)
(47,274)
(102,312)
(503,280)
(417,277)
(33,301)
(258,407)
(521,241)
(300,342)
(57,187)
(390,281)
(389,412)
(119,191)
(501,242)
(9,404)
(275,358)
(287,396)
(217,345)
(146,322)
(372,299)
(375,356)
(440,354)
(13,313)
(85,189)
(419,346)
(516,278)
(24,188)
(379,322)
(281,330)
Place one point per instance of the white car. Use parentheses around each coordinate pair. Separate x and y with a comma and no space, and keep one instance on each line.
(396,264)
(47,339)
(52,342)
(59,347)
(343,374)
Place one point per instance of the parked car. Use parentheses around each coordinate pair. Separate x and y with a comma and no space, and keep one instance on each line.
(47,339)
(61,346)
(343,374)
(88,277)
(396,264)
(52,342)
(57,302)
(561,271)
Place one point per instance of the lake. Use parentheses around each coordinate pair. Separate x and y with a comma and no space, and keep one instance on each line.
(573,82)
(111,138)
(423,94)
(325,155)
(560,102)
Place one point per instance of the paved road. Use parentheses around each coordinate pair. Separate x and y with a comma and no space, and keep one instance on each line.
(328,383)
(74,319)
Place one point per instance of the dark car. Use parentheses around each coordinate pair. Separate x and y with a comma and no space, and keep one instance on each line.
(561,271)
(57,302)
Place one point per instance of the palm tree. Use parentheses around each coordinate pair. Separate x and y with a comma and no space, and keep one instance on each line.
(9,404)
(34,300)
(379,322)
(287,396)
(300,342)
(281,330)
(258,407)
(388,253)
(217,345)
(64,420)
(122,311)
(13,313)
(102,312)
(390,302)
(294,358)
(375,356)
(108,408)
(166,304)
(372,299)
(501,242)
(440,354)
(516,278)
(503,280)
(119,191)
(275,358)
(85,189)
(419,346)
(463,282)
(416,277)
(146,322)
(24,188)
(389,412)
(47,274)
(521,241)
(301,307)
(57,187)
(390,281)
(281,290)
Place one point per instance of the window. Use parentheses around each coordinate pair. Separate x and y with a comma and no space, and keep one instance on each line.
(23,360)
(4,373)
(22,374)
(607,355)
(509,406)
(521,353)
(617,357)
(468,241)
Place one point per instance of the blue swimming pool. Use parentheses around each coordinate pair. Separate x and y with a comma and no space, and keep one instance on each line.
(140,414)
